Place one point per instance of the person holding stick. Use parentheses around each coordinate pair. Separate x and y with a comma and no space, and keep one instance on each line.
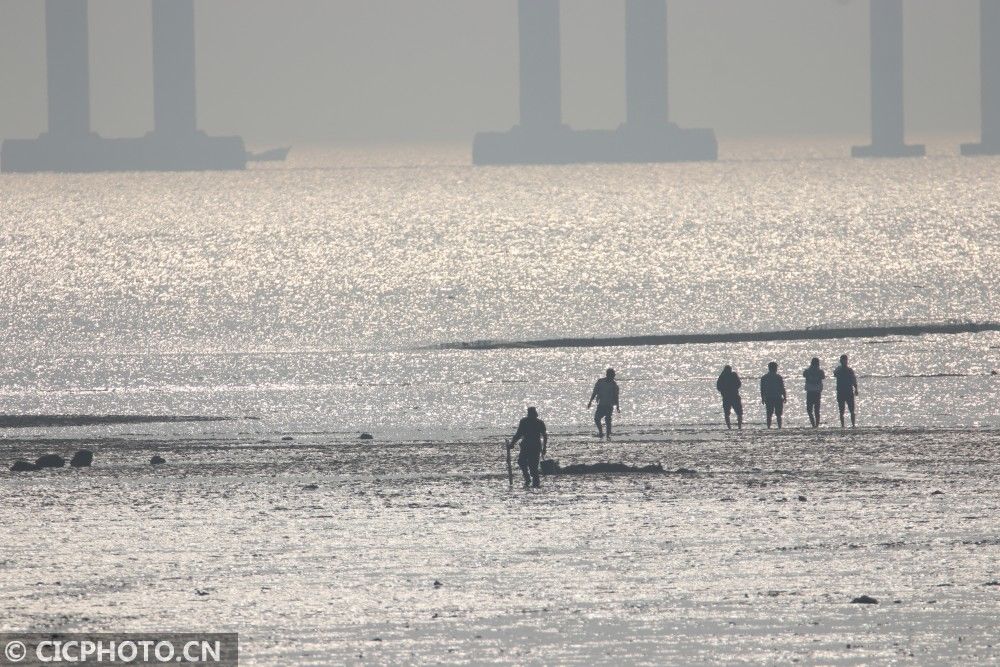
(534,439)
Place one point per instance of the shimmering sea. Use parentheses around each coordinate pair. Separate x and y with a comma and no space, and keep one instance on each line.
(307,302)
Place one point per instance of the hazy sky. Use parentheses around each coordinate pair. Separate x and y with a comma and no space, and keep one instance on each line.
(382,70)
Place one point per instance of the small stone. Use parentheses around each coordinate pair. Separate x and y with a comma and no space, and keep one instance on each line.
(23,466)
(937,493)
(802,499)
(287,438)
(366,436)
(864,599)
(82,459)
(50,461)
(157,460)
(310,487)
(437,584)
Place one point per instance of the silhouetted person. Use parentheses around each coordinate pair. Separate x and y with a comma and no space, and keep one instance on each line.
(772,393)
(729,385)
(814,376)
(606,393)
(534,439)
(847,389)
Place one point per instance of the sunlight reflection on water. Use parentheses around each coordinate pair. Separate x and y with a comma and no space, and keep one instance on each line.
(348,258)
(363,264)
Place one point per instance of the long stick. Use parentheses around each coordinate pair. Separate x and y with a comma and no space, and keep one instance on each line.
(510,468)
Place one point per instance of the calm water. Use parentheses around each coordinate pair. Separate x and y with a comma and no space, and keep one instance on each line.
(309,297)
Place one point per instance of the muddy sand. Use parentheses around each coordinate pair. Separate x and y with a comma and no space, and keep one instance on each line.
(325,549)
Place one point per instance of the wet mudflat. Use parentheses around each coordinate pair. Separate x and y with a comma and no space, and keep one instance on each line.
(324,549)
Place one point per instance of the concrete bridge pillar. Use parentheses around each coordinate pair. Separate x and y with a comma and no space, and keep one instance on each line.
(887,84)
(174,99)
(541,63)
(646,62)
(175,144)
(647,135)
(989,73)
(68,68)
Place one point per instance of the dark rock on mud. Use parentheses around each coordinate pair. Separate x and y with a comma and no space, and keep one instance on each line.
(288,438)
(864,599)
(50,461)
(310,487)
(82,459)
(937,493)
(802,499)
(157,460)
(366,436)
(23,466)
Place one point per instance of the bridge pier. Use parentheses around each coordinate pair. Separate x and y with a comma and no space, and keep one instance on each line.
(540,67)
(68,68)
(174,145)
(174,104)
(646,136)
(68,138)
(989,73)
(645,63)
(887,107)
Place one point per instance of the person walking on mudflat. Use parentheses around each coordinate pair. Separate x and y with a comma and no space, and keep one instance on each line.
(606,393)
(814,376)
(772,393)
(534,439)
(847,389)
(728,385)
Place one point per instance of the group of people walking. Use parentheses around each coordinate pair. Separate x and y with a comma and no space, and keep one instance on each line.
(774,395)
(533,437)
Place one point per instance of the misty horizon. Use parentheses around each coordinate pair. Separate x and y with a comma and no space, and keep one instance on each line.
(386,71)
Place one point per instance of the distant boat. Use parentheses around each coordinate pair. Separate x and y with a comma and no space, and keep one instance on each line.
(273,155)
